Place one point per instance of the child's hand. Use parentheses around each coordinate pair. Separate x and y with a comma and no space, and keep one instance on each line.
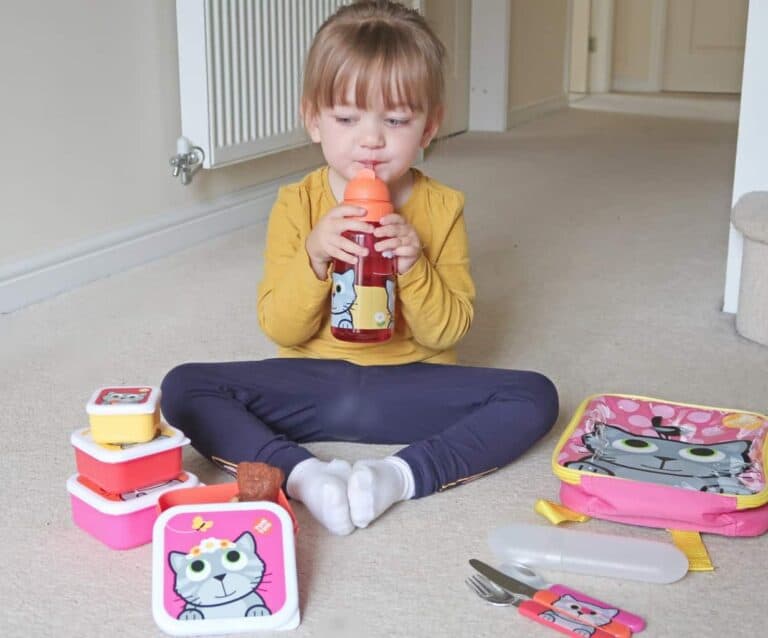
(402,241)
(325,242)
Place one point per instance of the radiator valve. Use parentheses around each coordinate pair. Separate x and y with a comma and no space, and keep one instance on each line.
(187,161)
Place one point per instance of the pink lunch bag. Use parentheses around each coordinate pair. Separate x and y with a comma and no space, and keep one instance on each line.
(656,463)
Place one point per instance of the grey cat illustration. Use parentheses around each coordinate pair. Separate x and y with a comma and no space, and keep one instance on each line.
(220,580)
(343,296)
(390,285)
(712,467)
(598,616)
(123,397)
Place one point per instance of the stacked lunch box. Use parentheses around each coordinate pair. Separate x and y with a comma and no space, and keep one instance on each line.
(126,459)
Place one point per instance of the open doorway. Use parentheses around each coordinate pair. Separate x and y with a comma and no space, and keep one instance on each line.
(675,58)
(678,46)
(659,46)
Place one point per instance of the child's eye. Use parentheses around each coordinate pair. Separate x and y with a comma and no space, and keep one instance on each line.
(343,119)
(396,121)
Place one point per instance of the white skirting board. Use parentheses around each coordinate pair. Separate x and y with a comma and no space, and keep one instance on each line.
(31,280)
(520,114)
(622,84)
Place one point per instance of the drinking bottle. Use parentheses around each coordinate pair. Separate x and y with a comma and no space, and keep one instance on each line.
(363,294)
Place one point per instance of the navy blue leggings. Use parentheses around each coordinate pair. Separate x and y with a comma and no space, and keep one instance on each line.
(460,422)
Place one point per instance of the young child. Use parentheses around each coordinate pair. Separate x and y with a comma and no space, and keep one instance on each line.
(372,98)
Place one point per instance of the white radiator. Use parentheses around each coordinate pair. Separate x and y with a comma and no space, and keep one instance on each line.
(240,65)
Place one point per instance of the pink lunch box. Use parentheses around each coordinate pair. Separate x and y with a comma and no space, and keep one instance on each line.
(122,467)
(120,521)
(222,567)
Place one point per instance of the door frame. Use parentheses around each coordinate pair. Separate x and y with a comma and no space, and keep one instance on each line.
(600,62)
(748,174)
(658,45)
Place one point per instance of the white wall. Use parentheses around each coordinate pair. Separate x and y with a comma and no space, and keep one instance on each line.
(751,171)
(488,82)
(631,42)
(519,61)
(638,45)
(539,49)
(90,117)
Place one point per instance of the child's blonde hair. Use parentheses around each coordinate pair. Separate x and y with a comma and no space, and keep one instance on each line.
(375,44)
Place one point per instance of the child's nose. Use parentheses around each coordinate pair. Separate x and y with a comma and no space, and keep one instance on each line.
(373,137)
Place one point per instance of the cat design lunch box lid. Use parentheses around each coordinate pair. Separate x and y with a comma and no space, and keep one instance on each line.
(224,567)
(168,438)
(123,400)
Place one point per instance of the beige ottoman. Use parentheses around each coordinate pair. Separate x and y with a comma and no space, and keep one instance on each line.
(750,216)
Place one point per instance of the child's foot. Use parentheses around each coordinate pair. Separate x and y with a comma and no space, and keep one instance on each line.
(375,485)
(322,487)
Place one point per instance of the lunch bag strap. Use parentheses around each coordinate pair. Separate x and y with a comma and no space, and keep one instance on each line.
(556,513)
(691,544)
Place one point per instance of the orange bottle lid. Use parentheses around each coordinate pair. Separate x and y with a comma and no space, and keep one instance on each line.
(369,192)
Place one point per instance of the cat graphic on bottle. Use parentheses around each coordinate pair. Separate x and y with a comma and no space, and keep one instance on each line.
(361,307)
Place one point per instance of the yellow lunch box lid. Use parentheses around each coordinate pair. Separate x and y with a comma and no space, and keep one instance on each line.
(124,400)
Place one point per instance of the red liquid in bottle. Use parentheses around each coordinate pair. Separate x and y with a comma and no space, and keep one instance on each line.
(372,271)
(363,294)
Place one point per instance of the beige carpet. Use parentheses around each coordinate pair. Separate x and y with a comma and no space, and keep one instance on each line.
(598,243)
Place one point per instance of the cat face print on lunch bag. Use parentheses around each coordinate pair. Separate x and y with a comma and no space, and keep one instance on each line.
(712,467)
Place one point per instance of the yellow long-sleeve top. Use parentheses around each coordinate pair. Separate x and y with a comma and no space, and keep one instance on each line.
(434,298)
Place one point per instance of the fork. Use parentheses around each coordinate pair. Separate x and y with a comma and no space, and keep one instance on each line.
(543,614)
(490,592)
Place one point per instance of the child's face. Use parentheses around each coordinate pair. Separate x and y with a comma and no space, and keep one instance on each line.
(375,137)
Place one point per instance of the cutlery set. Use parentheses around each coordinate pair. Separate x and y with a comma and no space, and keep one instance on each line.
(559,607)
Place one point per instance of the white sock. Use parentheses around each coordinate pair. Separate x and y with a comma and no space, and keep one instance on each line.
(322,487)
(377,484)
